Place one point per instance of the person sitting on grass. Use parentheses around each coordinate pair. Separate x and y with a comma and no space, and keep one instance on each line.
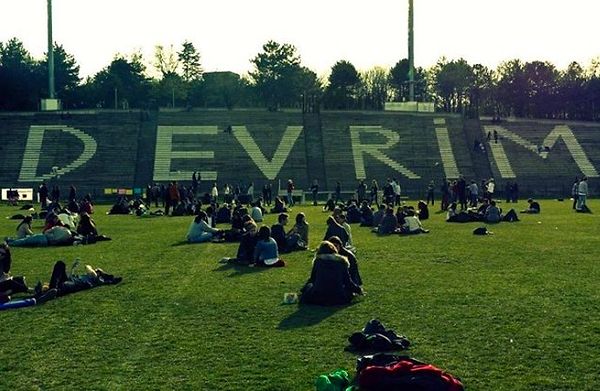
(121,207)
(389,223)
(334,228)
(24,228)
(297,237)
(378,216)
(401,214)
(534,207)
(8,284)
(329,282)
(412,225)
(341,218)
(353,268)
(73,206)
(52,220)
(224,214)
(366,218)
(87,229)
(200,231)
(265,251)
(278,232)
(493,214)
(256,212)
(422,210)
(279,206)
(329,205)
(248,239)
(454,216)
(353,214)
(86,205)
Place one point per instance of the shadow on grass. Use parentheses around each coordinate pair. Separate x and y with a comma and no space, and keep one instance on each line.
(239,270)
(309,315)
(182,243)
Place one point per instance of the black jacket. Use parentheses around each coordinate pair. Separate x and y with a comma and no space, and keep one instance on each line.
(329,282)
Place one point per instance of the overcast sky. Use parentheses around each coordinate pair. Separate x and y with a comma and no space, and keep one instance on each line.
(228,33)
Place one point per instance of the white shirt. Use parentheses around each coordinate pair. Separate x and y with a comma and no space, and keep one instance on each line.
(583,188)
(214,192)
(412,223)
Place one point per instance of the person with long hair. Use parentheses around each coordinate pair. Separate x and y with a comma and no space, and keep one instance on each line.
(200,231)
(297,237)
(329,282)
(24,228)
(265,251)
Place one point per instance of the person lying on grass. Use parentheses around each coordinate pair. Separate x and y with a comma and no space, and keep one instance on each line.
(74,282)
(14,285)
(54,236)
(329,282)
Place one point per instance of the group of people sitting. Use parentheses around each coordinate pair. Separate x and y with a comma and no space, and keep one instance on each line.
(488,212)
(257,247)
(405,221)
(61,227)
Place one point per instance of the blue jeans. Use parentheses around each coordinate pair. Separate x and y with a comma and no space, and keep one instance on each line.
(203,237)
(37,240)
(581,201)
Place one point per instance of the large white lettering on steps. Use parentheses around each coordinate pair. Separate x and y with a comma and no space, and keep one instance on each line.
(164,153)
(375,150)
(33,148)
(269,168)
(559,131)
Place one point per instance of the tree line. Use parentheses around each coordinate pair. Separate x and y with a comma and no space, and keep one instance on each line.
(535,89)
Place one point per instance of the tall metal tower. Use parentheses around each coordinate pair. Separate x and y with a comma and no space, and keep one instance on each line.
(411,54)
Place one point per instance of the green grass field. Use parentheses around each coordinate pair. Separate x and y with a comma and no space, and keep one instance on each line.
(518,310)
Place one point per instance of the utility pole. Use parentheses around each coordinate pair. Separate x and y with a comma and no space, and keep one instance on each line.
(50,53)
(411,53)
